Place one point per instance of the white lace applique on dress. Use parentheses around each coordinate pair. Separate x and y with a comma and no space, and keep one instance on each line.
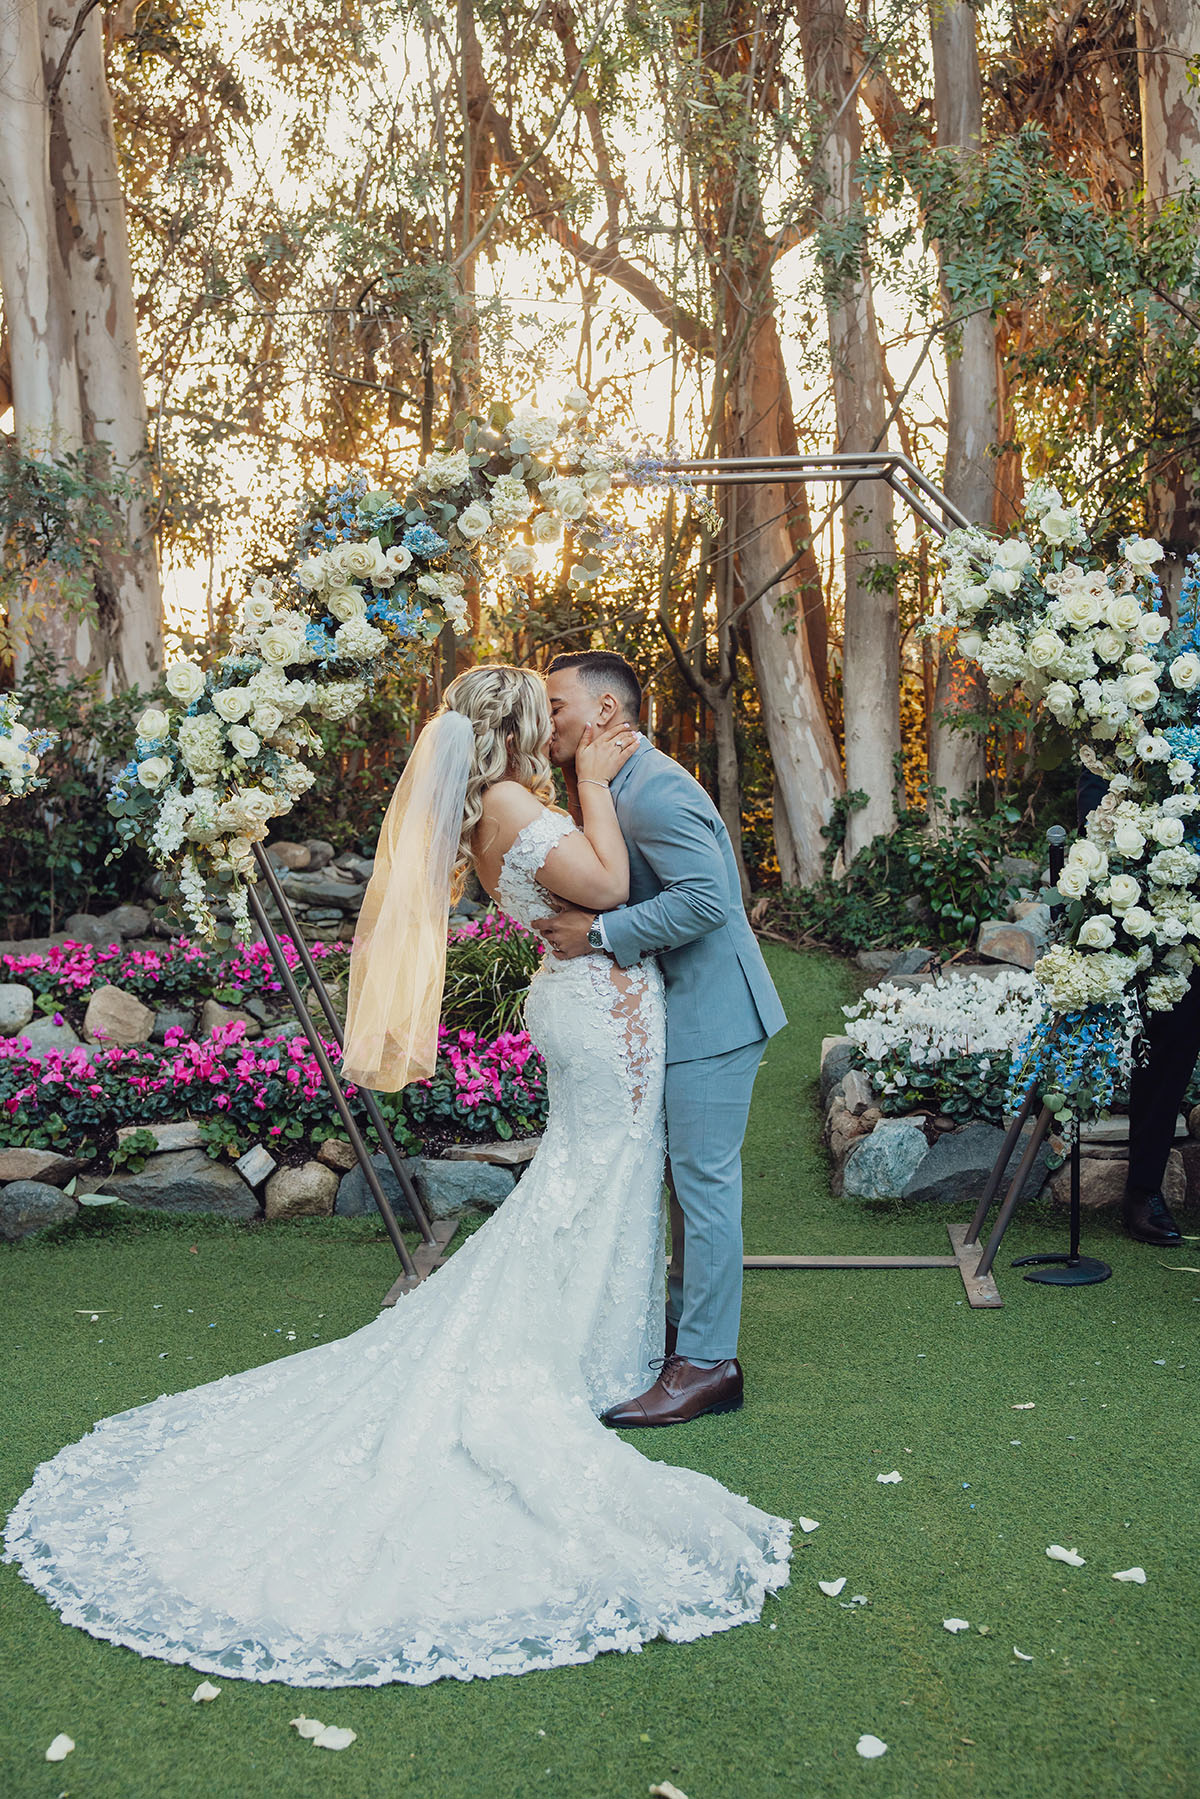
(433,1496)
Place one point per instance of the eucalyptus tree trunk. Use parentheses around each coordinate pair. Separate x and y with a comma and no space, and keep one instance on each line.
(956,756)
(94,246)
(871,656)
(1168,37)
(68,300)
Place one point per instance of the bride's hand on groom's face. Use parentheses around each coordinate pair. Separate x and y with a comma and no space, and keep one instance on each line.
(566,932)
(604,750)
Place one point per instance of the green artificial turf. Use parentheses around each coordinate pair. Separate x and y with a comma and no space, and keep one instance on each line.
(849,1375)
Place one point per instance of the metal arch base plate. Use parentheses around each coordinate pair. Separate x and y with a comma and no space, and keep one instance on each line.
(982,1292)
(427,1257)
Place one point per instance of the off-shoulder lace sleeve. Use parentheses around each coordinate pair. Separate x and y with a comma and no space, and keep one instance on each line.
(517,887)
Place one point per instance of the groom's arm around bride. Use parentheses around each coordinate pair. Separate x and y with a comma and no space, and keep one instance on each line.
(685,907)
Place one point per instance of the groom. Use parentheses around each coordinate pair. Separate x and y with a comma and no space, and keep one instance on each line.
(685,907)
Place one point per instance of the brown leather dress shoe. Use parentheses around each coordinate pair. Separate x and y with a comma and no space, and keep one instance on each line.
(680,1392)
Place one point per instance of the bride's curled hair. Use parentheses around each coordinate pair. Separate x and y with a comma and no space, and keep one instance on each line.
(510,714)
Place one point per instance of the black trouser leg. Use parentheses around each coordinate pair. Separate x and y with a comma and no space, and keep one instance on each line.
(1157,1088)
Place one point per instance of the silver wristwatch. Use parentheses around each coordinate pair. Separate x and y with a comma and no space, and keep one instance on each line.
(594,937)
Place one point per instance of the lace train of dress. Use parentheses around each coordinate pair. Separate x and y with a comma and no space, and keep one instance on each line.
(433,1495)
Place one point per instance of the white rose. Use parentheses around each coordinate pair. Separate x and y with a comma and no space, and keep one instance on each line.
(1181,771)
(1014,553)
(232,703)
(1045,648)
(1109,645)
(278,646)
(1090,856)
(596,481)
(1081,609)
(256,804)
(1121,893)
(1128,840)
(1123,612)
(185,681)
(266,719)
(244,740)
(348,604)
(1141,553)
(1072,883)
(1097,932)
(398,558)
(1143,692)
(153,772)
(257,612)
(1167,831)
(474,521)
(1058,523)
(1003,580)
(1137,922)
(519,559)
(576,401)
(1137,664)
(1060,697)
(973,597)
(969,645)
(1185,671)
(153,724)
(547,528)
(311,575)
(1152,627)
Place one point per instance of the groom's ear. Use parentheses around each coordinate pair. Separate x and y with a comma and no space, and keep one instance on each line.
(609,707)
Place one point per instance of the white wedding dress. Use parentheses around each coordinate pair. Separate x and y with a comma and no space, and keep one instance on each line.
(434,1495)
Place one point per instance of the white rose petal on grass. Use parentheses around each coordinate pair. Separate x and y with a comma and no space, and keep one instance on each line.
(1020,1654)
(890,1480)
(954,1625)
(664,1790)
(831,1588)
(307,1727)
(1136,1575)
(1071,1557)
(334,1736)
(870,1747)
(204,1692)
(1025,1405)
(807,1524)
(60,1748)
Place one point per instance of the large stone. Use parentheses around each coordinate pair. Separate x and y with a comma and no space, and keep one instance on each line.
(127,921)
(44,1034)
(837,1053)
(28,1206)
(857,1092)
(1032,916)
(43,1165)
(114,1016)
(447,1188)
(1000,941)
(290,855)
(1115,1129)
(917,960)
(84,927)
(336,1153)
(320,853)
(1102,1183)
(169,1133)
(360,868)
(305,1192)
(513,1154)
(881,1166)
(984,971)
(1193,1122)
(1021,870)
(354,1196)
(958,1165)
(173,1018)
(16,1007)
(909,983)
(214,1016)
(186,1180)
(325,890)
(876,961)
(256,1165)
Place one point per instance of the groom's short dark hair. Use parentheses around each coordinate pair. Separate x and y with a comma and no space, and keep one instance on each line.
(603,671)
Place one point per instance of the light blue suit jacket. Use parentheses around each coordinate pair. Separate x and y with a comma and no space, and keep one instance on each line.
(685,907)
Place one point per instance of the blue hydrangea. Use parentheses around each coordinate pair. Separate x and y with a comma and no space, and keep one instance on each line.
(424,541)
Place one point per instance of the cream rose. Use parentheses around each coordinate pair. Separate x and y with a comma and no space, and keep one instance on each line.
(1109,645)
(185,681)
(1014,553)
(1123,612)
(1185,671)
(1081,609)
(311,575)
(596,481)
(1121,893)
(474,521)
(348,604)
(1152,627)
(278,646)
(1003,580)
(576,401)
(519,559)
(266,719)
(1137,922)
(547,528)
(153,724)
(1089,855)
(232,703)
(153,772)
(1141,553)
(1097,932)
(1072,883)
(1167,831)
(1058,523)
(244,740)
(1045,648)
(1142,692)
(1128,840)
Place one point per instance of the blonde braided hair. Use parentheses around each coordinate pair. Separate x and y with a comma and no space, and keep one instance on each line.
(510,713)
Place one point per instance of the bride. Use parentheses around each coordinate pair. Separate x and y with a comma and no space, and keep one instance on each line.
(434,1495)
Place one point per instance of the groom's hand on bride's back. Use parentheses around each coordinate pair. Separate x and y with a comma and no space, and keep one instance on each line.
(566,932)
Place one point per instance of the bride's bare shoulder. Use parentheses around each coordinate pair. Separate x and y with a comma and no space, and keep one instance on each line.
(508,803)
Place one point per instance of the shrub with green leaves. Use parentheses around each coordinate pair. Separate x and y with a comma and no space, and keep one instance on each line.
(489,965)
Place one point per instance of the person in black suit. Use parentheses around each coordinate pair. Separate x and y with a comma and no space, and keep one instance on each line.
(1156,1088)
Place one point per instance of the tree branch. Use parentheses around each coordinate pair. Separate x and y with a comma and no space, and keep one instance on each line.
(56,80)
